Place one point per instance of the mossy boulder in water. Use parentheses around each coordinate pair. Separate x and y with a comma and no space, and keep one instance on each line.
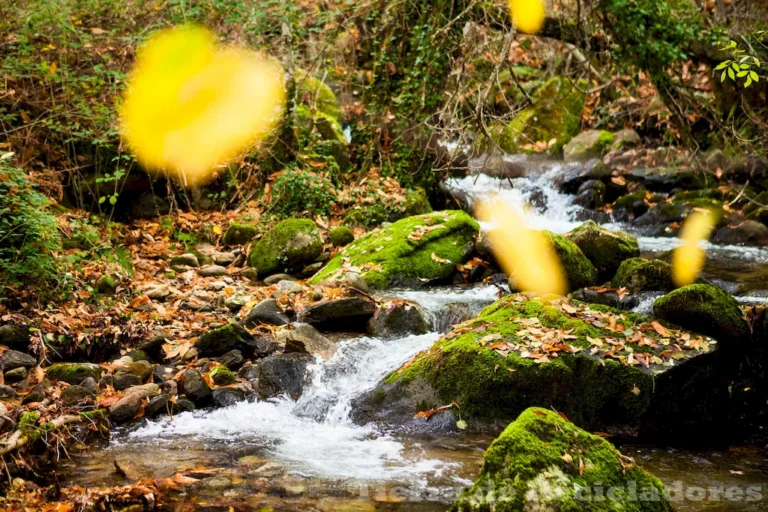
(605,369)
(705,309)
(543,462)
(409,252)
(287,247)
(605,248)
(579,271)
(555,114)
(641,275)
(219,341)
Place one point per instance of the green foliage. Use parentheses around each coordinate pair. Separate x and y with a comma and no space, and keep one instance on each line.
(741,66)
(297,190)
(29,235)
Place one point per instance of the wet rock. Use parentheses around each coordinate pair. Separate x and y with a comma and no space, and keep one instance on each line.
(219,341)
(452,314)
(341,236)
(312,269)
(212,271)
(225,397)
(587,144)
(15,337)
(170,387)
(125,409)
(125,381)
(630,206)
(195,387)
(413,250)
(266,312)
(656,221)
(288,247)
(250,274)
(284,374)
(607,297)
(185,260)
(578,270)
(224,258)
(196,304)
(355,283)
(249,372)
(591,195)
(346,314)
(398,318)
(304,338)
(37,394)
(749,232)
(239,234)
(13,359)
(158,405)
(641,275)
(232,359)
(544,462)
(74,394)
(666,179)
(497,166)
(142,369)
(222,376)
(573,177)
(705,309)
(15,375)
(605,248)
(265,345)
(73,373)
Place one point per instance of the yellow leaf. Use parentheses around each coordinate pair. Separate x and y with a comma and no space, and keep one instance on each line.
(688,258)
(217,229)
(527,15)
(191,106)
(523,253)
(52,69)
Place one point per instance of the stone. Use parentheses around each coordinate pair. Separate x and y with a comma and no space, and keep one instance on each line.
(705,309)
(607,297)
(212,271)
(249,372)
(142,369)
(587,144)
(312,269)
(350,313)
(666,179)
(13,359)
(37,394)
(195,387)
(232,359)
(543,462)
(305,339)
(73,373)
(290,287)
(225,397)
(605,248)
(15,375)
(355,283)
(239,234)
(625,139)
(125,381)
(218,342)
(224,258)
(90,385)
(281,374)
(341,236)
(74,394)
(641,275)
(8,392)
(397,319)
(411,251)
(222,376)
(236,302)
(125,409)
(185,260)
(266,312)
(748,232)
(452,314)
(153,346)
(15,337)
(160,404)
(288,247)
(276,278)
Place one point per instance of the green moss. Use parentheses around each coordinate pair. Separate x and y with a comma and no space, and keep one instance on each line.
(641,275)
(314,92)
(605,140)
(416,203)
(341,236)
(73,373)
(239,234)
(605,248)
(223,376)
(627,201)
(414,249)
(288,246)
(555,114)
(579,271)
(705,309)
(541,461)
(28,421)
(366,216)
(219,341)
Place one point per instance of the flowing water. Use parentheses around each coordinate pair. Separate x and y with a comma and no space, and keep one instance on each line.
(308,455)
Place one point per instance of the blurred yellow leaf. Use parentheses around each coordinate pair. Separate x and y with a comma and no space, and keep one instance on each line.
(190,105)
(52,69)
(527,15)
(217,229)
(688,258)
(523,253)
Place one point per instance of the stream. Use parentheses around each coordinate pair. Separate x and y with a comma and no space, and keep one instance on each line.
(308,455)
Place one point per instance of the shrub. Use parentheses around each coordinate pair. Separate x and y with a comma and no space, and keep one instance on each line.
(29,236)
(296,190)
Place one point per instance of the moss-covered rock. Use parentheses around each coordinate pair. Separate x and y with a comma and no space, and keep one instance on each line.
(663,219)
(588,144)
(287,247)
(74,373)
(555,114)
(641,275)
(602,367)
(222,376)
(239,234)
(410,251)
(314,92)
(219,341)
(416,203)
(705,309)
(605,248)
(341,236)
(579,271)
(544,462)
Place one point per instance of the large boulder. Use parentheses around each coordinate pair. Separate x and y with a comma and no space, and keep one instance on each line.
(605,248)
(218,342)
(284,374)
(705,309)
(543,462)
(554,115)
(288,247)
(411,251)
(345,314)
(641,275)
(588,144)
(605,369)
(579,271)
(748,232)
(398,318)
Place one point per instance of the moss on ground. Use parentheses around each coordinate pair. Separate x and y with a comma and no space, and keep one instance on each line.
(424,247)
(74,373)
(341,236)
(542,461)
(223,376)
